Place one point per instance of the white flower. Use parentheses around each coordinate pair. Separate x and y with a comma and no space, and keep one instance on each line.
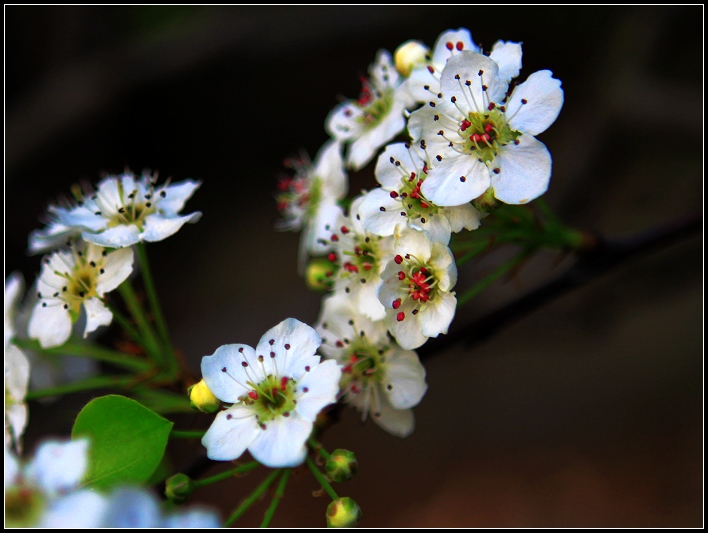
(376,117)
(401,171)
(43,492)
(70,280)
(17,368)
(424,81)
(378,377)
(475,141)
(416,288)
(276,390)
(123,211)
(309,199)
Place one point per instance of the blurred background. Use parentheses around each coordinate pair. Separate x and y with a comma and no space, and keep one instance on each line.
(585,413)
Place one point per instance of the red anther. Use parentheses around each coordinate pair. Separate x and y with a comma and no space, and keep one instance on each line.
(332,257)
(344,230)
(274,392)
(415,295)
(431,69)
(465,124)
(253,395)
(400,316)
(401,275)
(412,175)
(339,344)
(283,383)
(367,266)
(460,45)
(424,270)
(350,267)
(474,137)
(449,45)
(486,138)
(425,168)
(397,303)
(334,238)
(488,128)
(329,274)
(424,205)
(398,259)
(284,184)
(394,194)
(282,206)
(355,389)
(347,369)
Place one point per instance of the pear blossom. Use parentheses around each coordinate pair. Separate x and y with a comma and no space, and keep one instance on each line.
(378,376)
(276,392)
(73,279)
(308,200)
(17,368)
(424,80)
(122,211)
(416,290)
(401,170)
(44,492)
(476,138)
(376,117)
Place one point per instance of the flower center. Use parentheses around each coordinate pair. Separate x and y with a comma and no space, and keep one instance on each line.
(485,133)
(362,260)
(375,105)
(299,195)
(271,398)
(418,281)
(415,204)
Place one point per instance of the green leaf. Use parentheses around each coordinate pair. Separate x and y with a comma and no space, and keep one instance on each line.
(127,440)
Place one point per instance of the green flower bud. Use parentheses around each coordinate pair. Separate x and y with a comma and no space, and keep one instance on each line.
(486,203)
(201,398)
(341,465)
(320,272)
(179,488)
(343,512)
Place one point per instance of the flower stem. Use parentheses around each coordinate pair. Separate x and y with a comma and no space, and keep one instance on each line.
(318,448)
(184,434)
(98,382)
(146,332)
(322,480)
(491,278)
(279,492)
(226,475)
(246,504)
(89,351)
(156,308)
(125,324)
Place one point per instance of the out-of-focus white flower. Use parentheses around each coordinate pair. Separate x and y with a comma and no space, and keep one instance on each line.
(378,376)
(43,492)
(70,280)
(122,211)
(276,390)
(17,368)
(401,170)
(417,287)
(376,117)
(475,140)
(308,200)
(424,81)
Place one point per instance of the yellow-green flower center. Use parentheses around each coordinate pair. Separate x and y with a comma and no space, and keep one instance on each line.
(271,398)
(485,133)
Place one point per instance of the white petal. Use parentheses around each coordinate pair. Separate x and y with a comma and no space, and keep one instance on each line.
(398,422)
(14,287)
(383,72)
(419,79)
(407,332)
(441,53)
(50,325)
(468,65)
(83,218)
(282,443)
(17,371)
(456,180)
(342,123)
(421,124)
(319,229)
(377,221)
(388,174)
(391,289)
(231,432)
(322,384)
(367,297)
(303,342)
(437,226)
(525,171)
(445,268)
(329,167)
(413,241)
(463,216)
(12,468)
(53,236)
(97,315)
(131,508)
(544,99)
(508,56)
(363,149)
(117,237)
(436,316)
(117,267)
(77,510)
(227,385)
(158,227)
(176,194)
(406,376)
(16,416)
(59,466)
(192,519)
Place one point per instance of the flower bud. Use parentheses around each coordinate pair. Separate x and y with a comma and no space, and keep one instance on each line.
(343,512)
(179,488)
(341,465)
(408,55)
(200,397)
(486,203)
(320,274)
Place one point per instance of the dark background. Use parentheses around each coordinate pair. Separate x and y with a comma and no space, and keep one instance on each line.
(586,413)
